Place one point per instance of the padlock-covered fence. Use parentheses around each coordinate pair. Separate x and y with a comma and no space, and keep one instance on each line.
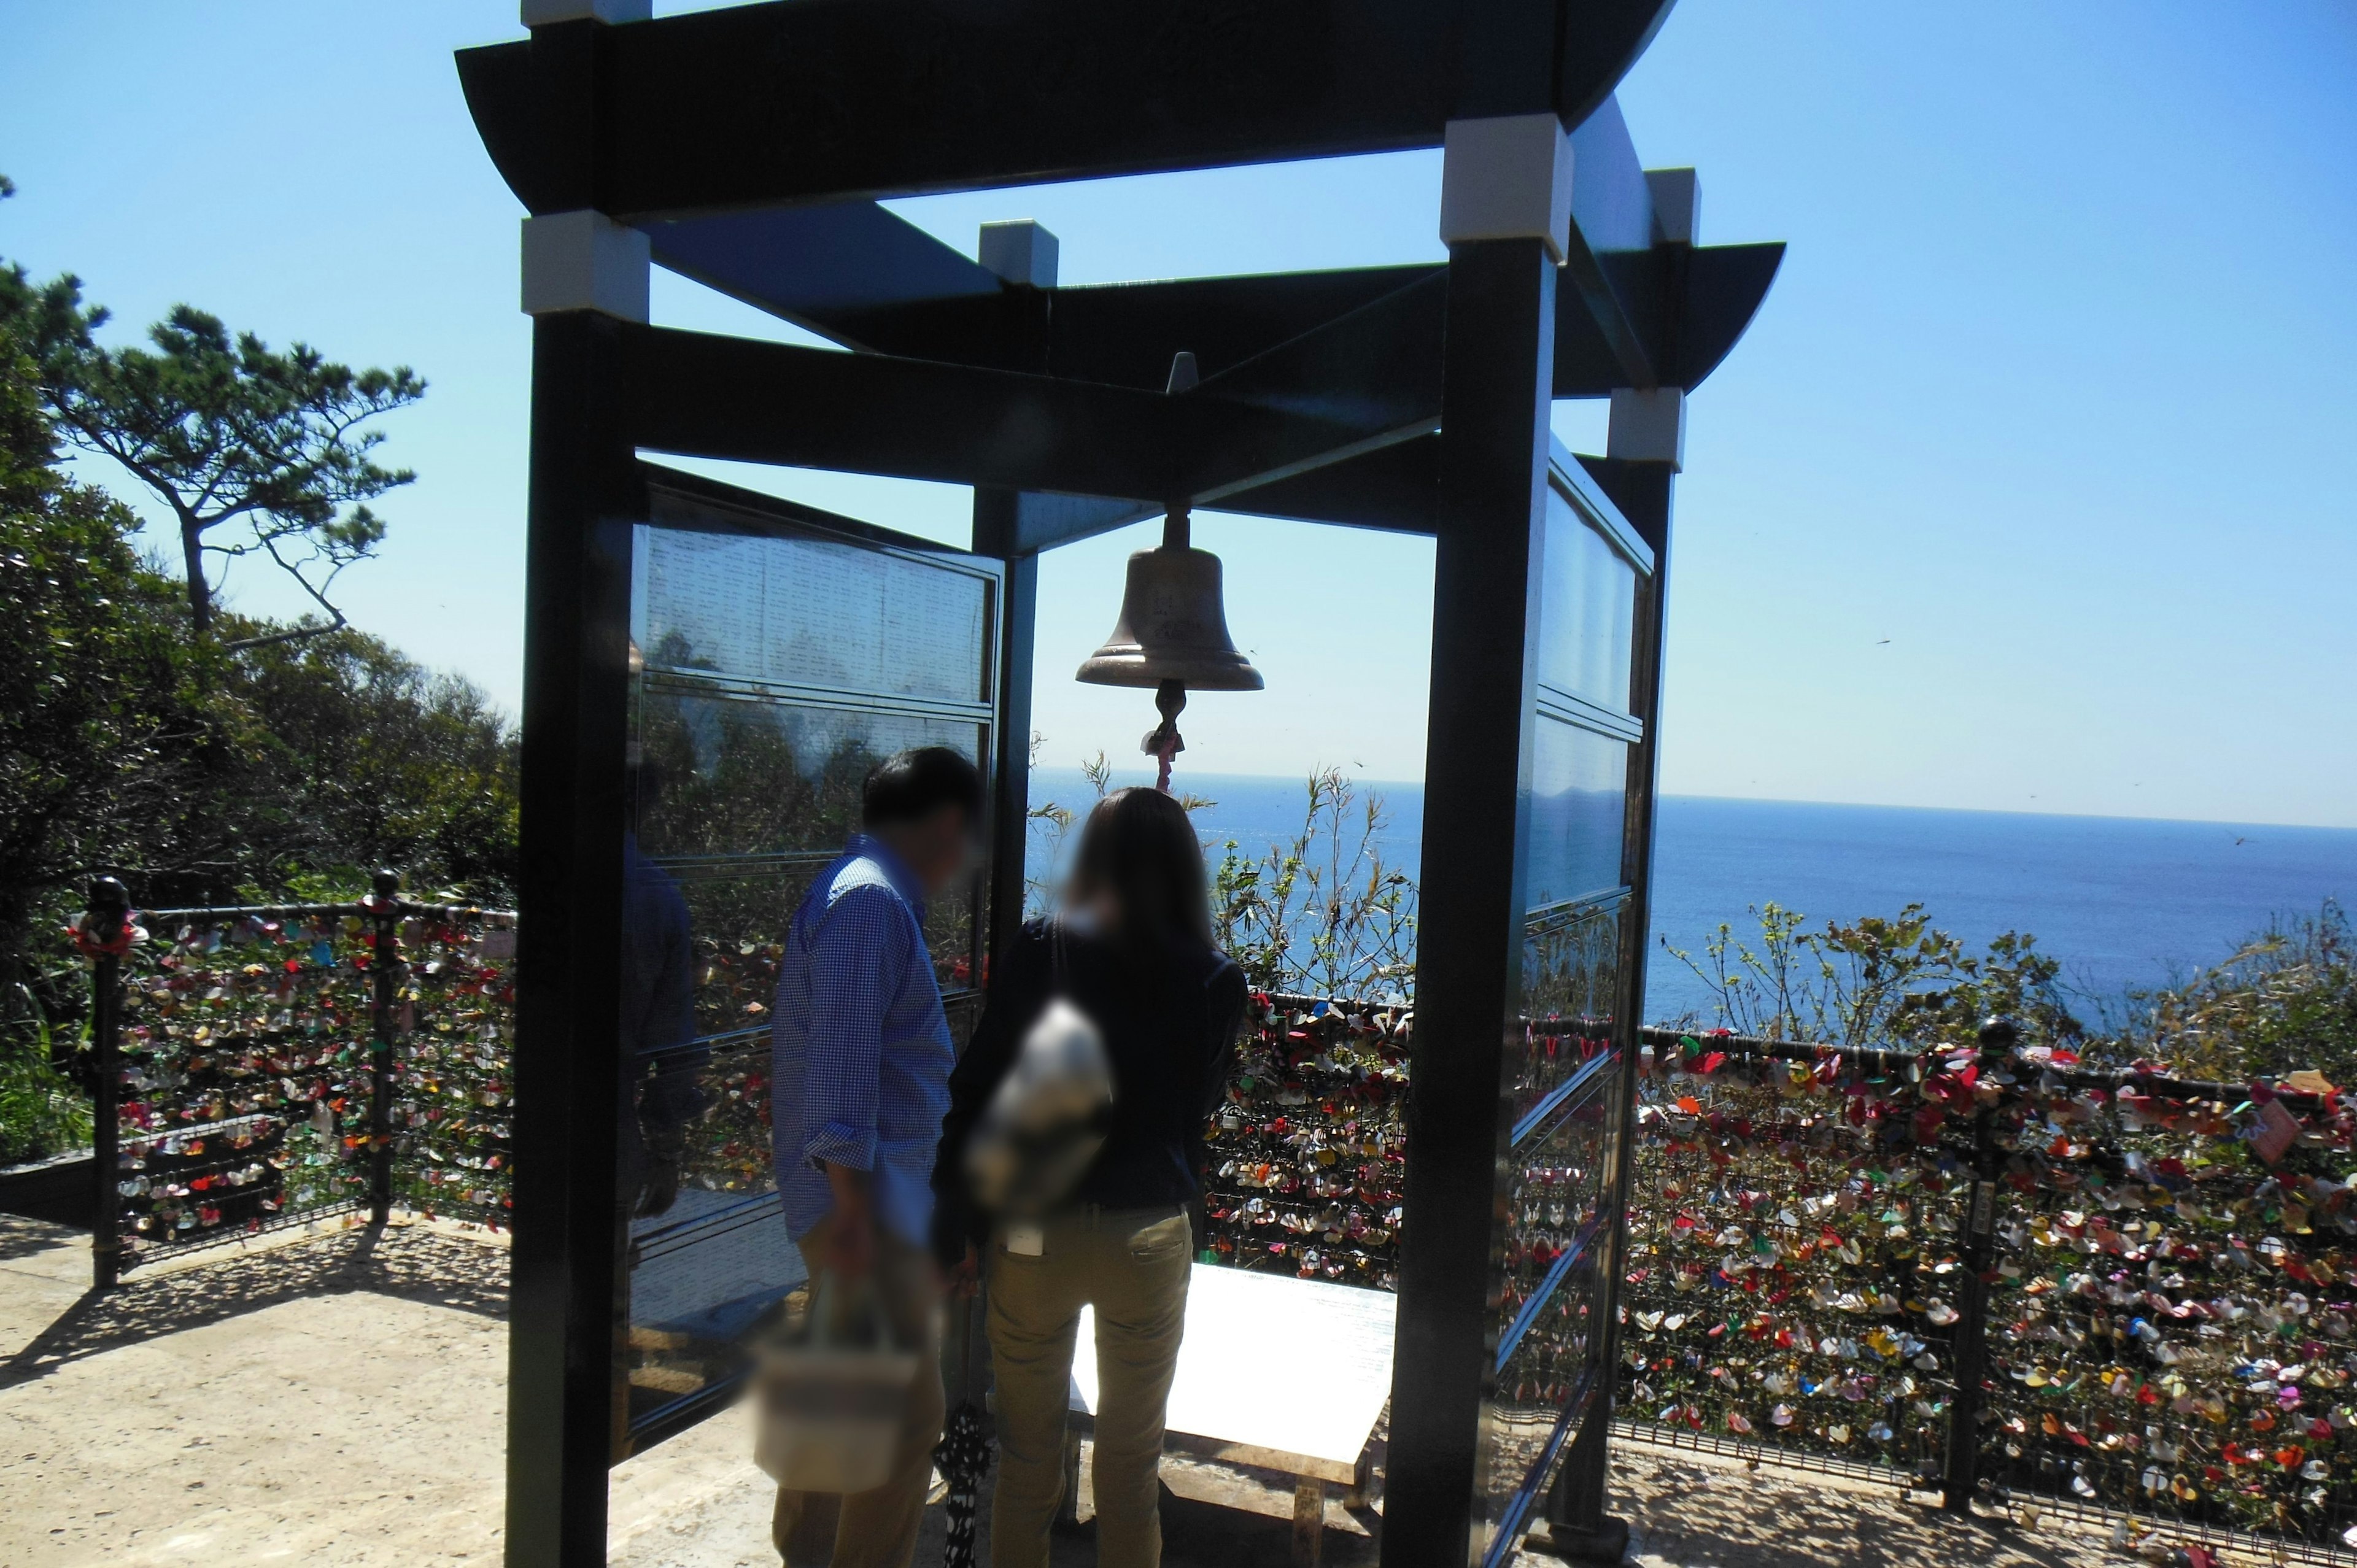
(1989,1271)
(2003,1276)
(258,1066)
(1307,1152)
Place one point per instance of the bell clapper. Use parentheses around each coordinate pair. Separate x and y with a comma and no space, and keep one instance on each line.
(1163,742)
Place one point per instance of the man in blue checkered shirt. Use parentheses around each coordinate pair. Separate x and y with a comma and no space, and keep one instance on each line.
(862,1055)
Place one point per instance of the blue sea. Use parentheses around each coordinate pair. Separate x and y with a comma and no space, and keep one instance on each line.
(2122,901)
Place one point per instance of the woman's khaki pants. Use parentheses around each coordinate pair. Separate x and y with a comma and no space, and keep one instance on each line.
(1132,1266)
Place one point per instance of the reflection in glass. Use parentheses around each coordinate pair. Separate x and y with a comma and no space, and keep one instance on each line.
(736,775)
(1587,614)
(1540,1391)
(1571,968)
(740,917)
(815,612)
(741,792)
(1577,782)
(1554,1190)
(660,1068)
(690,1174)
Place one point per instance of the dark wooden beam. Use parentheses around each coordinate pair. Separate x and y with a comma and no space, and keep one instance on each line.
(1044,521)
(866,279)
(1724,287)
(1611,261)
(1126,333)
(1393,488)
(742,400)
(853,272)
(808,101)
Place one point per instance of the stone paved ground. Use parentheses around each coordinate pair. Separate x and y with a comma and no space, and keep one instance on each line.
(341,1401)
(1687,1510)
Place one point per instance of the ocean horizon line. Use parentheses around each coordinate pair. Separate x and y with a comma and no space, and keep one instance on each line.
(1181,781)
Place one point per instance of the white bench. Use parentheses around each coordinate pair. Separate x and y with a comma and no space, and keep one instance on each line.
(1277,1372)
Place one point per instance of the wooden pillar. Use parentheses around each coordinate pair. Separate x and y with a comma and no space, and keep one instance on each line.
(562,1372)
(995,515)
(1025,254)
(1504,212)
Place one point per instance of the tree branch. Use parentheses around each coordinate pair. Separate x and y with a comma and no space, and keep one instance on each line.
(292,634)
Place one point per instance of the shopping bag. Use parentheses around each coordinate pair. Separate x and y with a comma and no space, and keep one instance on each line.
(831,1396)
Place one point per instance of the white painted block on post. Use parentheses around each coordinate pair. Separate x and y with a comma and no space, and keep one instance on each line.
(1020,252)
(583,261)
(540,13)
(1648,426)
(1507,179)
(1677,204)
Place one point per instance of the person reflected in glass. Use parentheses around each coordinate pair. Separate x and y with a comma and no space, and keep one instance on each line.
(1135,954)
(861,1054)
(663,1066)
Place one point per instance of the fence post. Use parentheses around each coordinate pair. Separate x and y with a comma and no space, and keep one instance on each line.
(384,974)
(1998,1037)
(106,935)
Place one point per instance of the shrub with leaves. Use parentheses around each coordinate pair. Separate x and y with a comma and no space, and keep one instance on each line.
(1321,914)
(1874,982)
(2285,1000)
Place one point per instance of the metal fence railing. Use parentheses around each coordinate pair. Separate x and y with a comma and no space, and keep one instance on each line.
(2003,1276)
(257,1066)
(1308,1154)
(1979,1270)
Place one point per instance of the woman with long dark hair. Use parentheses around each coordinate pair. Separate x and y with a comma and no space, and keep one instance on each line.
(1133,954)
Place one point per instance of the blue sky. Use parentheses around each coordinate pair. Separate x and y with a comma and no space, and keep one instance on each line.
(2055,393)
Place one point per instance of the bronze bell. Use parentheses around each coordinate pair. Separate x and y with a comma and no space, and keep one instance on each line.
(1173,627)
(1172,634)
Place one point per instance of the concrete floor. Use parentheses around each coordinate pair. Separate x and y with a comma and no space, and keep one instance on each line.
(342,1400)
(327,1402)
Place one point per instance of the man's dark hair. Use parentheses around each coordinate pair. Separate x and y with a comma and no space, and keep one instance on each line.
(912,785)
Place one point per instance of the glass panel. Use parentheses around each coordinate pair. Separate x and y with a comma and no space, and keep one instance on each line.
(1588,612)
(1577,782)
(709,1253)
(1543,1377)
(739,802)
(1571,966)
(813,612)
(722,775)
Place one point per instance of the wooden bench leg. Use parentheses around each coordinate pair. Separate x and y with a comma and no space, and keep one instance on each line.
(1308,1521)
(1362,1482)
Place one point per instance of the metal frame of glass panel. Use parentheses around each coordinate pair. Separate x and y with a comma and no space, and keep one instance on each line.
(746,148)
(1580,929)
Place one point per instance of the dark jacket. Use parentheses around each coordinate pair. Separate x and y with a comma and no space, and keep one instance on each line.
(1170,1027)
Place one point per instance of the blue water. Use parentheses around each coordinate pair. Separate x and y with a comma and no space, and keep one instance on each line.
(2122,901)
